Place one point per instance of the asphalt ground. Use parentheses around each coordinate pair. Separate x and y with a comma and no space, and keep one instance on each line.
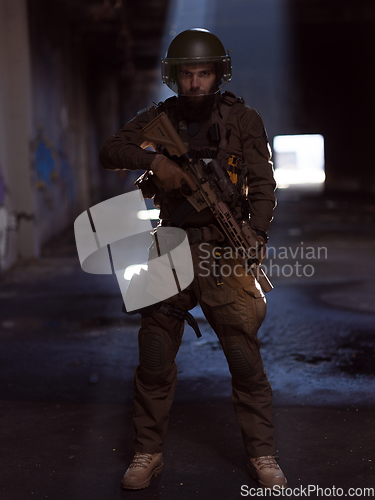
(68,354)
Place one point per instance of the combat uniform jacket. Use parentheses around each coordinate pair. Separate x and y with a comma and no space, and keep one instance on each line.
(246,140)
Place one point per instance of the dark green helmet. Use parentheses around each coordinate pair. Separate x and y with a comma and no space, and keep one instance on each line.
(196,46)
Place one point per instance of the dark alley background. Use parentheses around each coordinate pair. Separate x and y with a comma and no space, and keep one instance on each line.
(72,73)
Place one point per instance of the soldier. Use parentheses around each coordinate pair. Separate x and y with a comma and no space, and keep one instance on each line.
(213,125)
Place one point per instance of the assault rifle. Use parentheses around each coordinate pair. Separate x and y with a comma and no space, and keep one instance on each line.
(214,189)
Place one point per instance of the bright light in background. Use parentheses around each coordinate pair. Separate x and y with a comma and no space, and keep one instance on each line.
(299,160)
(134,269)
(152,214)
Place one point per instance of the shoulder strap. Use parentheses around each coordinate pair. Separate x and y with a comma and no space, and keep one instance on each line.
(230,98)
(226,101)
(169,107)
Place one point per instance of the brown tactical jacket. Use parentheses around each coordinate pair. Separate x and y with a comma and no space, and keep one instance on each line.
(246,140)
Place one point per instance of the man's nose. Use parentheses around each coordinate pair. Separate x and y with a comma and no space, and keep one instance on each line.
(195,81)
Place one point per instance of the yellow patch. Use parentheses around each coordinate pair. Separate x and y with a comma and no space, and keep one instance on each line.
(233,177)
(232,160)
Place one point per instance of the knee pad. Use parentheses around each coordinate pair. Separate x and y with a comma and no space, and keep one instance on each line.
(152,355)
(239,362)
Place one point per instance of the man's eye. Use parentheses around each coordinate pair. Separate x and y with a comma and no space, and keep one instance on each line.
(205,73)
(186,74)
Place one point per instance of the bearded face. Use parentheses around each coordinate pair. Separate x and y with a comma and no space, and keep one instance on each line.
(197,91)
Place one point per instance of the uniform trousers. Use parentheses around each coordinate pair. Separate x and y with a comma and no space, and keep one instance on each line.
(235,310)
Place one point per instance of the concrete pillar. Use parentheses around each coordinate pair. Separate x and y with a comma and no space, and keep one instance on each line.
(18,239)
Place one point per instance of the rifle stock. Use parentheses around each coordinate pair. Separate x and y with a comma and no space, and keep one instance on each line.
(161,131)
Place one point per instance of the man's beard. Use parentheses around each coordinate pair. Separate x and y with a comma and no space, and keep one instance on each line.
(195,108)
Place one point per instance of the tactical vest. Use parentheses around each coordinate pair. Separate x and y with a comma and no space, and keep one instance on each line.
(217,133)
(219,118)
(217,136)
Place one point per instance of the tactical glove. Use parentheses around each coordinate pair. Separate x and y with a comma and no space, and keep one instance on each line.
(169,174)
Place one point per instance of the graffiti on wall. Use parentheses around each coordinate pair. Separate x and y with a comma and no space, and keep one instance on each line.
(52,169)
(45,160)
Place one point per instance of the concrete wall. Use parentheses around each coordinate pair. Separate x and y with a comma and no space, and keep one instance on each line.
(47,129)
(18,234)
(67,81)
(60,159)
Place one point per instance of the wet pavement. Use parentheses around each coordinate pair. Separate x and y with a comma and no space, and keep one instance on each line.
(68,354)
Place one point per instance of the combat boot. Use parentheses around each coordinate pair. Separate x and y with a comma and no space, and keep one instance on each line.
(144,466)
(267,472)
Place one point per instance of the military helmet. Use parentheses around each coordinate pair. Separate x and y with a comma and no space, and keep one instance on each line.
(196,46)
